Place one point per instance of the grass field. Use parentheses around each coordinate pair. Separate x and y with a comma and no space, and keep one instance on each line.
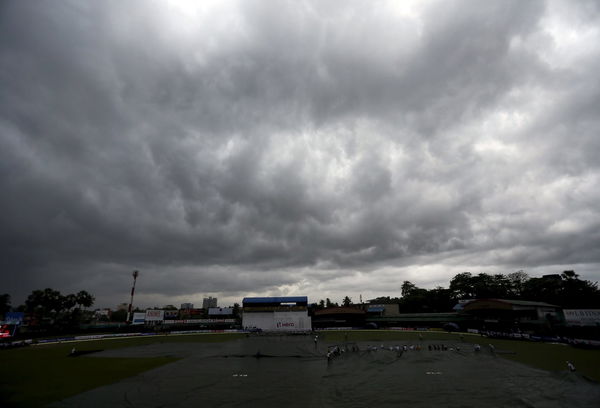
(37,375)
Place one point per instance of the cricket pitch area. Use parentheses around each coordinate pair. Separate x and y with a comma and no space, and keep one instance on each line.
(277,371)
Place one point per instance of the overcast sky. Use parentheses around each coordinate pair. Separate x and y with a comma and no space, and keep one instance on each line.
(326,148)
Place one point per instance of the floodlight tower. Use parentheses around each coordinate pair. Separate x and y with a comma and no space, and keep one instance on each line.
(129,315)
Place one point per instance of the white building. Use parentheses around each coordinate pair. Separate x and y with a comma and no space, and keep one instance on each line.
(276,313)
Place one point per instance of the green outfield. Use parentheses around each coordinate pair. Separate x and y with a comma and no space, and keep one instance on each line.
(37,375)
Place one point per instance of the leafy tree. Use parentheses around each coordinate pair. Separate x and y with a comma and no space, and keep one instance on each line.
(53,308)
(517,281)
(47,302)
(461,286)
(236,309)
(69,301)
(545,289)
(468,286)
(321,304)
(418,300)
(415,300)
(407,288)
(384,300)
(347,301)
(439,300)
(577,293)
(491,286)
(565,290)
(84,299)
(328,303)
(169,307)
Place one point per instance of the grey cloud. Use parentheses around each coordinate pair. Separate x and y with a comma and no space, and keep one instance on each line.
(259,147)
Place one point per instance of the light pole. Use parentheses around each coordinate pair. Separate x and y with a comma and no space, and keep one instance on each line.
(135,275)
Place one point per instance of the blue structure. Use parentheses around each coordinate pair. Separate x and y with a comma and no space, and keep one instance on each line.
(275,301)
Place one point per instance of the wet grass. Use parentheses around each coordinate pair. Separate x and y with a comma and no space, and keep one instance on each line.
(38,375)
(551,357)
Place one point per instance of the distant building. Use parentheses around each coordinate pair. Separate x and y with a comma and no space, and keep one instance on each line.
(102,313)
(505,314)
(187,306)
(417,320)
(209,302)
(123,306)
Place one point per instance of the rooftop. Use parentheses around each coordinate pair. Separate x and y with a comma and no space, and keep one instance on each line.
(520,302)
(339,310)
(504,304)
(276,300)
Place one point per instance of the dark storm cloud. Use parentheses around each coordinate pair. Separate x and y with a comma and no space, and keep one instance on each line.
(251,148)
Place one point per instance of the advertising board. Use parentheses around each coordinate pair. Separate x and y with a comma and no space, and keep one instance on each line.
(278,321)
(582,317)
(14,317)
(200,321)
(220,311)
(139,318)
(171,314)
(155,315)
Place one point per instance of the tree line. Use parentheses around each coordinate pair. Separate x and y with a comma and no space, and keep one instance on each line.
(566,290)
(49,307)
